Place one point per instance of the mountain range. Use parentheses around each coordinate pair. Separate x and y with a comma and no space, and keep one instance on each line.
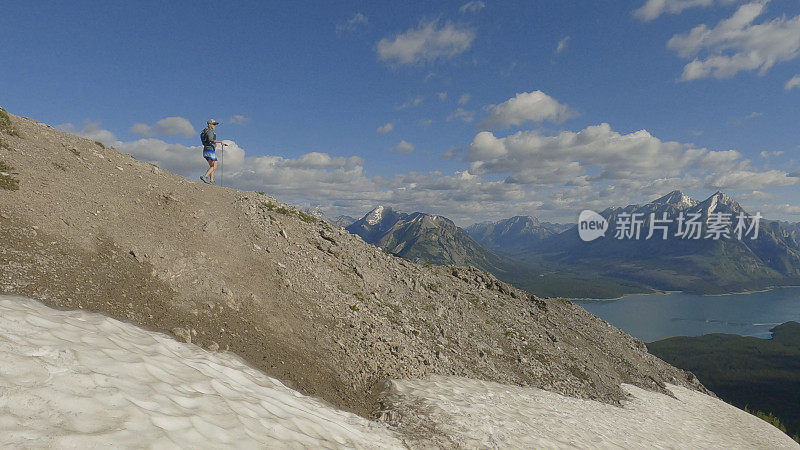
(551,259)
(426,238)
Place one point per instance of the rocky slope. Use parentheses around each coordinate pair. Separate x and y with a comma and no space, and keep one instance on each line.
(307,303)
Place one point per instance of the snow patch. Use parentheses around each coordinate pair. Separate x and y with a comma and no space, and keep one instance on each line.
(72,379)
(375,216)
(469,413)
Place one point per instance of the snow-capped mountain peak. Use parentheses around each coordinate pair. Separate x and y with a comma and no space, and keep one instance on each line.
(677,199)
(375,216)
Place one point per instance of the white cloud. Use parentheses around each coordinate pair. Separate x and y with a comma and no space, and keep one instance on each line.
(383,129)
(426,42)
(461,114)
(91,130)
(737,44)
(766,154)
(442,96)
(238,119)
(411,103)
(652,9)
(451,153)
(562,44)
(472,7)
(749,179)
(780,209)
(169,126)
(755,195)
(793,83)
(464,99)
(403,147)
(352,24)
(604,156)
(533,106)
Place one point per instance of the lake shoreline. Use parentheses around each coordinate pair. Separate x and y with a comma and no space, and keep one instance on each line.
(658,292)
(753,313)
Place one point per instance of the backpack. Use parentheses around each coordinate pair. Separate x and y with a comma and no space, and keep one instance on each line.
(205,139)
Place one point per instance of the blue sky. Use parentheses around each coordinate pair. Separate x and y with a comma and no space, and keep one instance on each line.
(475,110)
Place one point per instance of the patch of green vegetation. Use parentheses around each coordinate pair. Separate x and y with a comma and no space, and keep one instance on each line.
(7,181)
(748,372)
(75,151)
(260,192)
(278,209)
(359,296)
(354,307)
(59,166)
(306,217)
(100,144)
(5,124)
(772,420)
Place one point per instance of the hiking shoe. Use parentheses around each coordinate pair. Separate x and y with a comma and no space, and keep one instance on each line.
(203,179)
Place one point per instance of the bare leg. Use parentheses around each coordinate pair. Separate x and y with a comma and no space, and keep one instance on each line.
(212,169)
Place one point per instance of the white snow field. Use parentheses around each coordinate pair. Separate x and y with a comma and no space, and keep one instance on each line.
(73,379)
(479,414)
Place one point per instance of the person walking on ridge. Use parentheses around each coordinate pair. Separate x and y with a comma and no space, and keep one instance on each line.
(208,137)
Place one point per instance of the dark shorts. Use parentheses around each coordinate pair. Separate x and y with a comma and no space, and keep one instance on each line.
(209,154)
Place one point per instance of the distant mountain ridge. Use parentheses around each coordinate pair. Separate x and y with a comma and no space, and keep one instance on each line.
(550,259)
(422,237)
(702,265)
(520,232)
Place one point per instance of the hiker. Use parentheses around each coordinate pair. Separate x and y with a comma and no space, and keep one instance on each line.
(208,137)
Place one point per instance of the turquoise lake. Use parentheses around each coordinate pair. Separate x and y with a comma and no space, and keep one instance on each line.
(657,316)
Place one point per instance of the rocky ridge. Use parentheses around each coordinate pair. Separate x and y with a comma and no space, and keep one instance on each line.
(305,302)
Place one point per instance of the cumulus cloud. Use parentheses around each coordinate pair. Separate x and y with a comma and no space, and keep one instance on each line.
(652,9)
(461,114)
(766,154)
(533,106)
(755,195)
(239,119)
(90,130)
(604,156)
(737,44)
(403,147)
(472,7)
(562,44)
(168,126)
(383,129)
(793,83)
(464,99)
(427,42)
(352,24)
(750,179)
